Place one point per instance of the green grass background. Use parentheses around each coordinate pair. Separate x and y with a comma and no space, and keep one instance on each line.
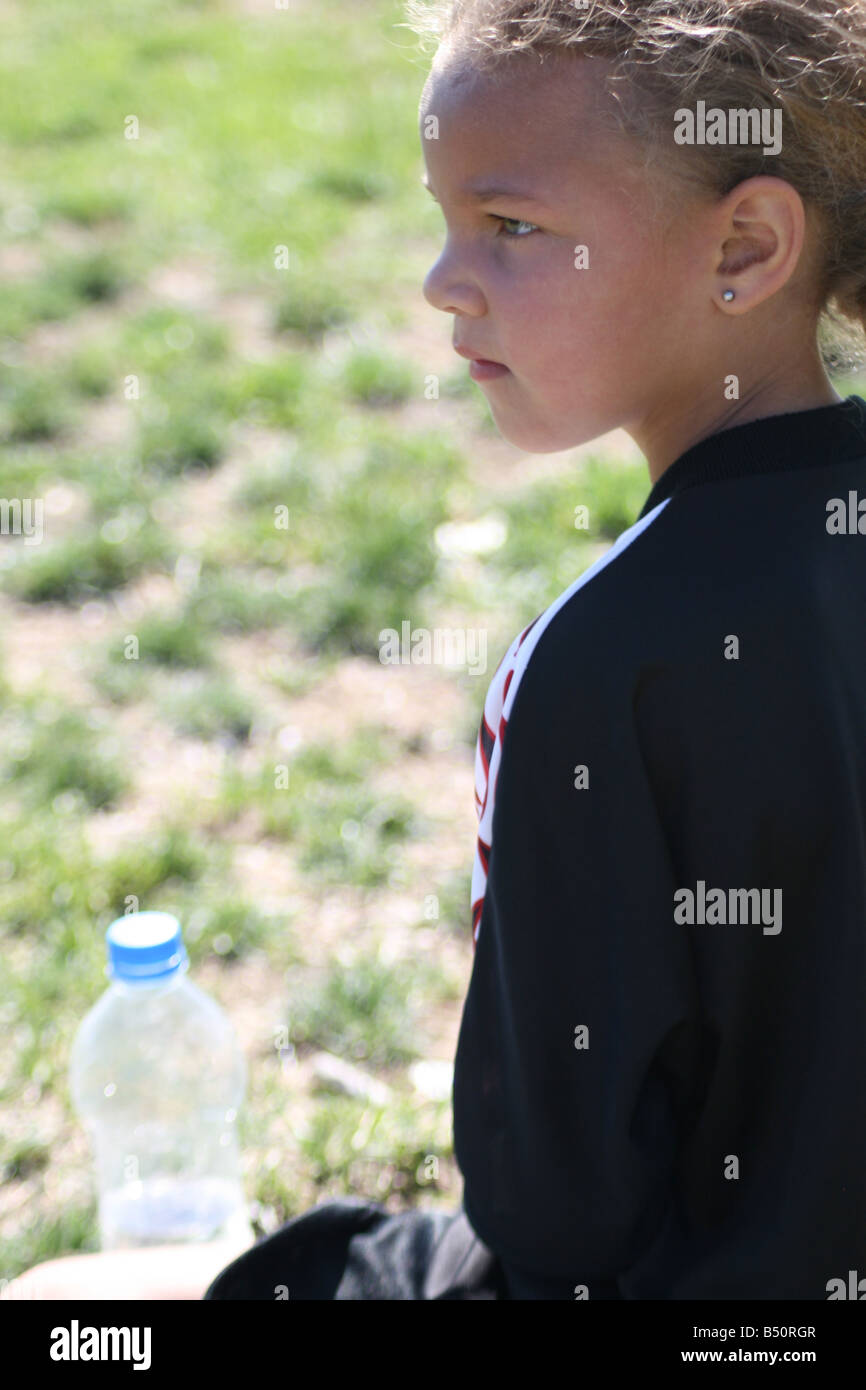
(167,385)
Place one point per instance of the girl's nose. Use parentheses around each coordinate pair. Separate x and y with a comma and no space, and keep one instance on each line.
(453,291)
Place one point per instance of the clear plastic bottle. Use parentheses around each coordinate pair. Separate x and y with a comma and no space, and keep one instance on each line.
(157,1076)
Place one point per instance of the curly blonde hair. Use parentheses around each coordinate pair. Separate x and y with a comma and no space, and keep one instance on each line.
(807,57)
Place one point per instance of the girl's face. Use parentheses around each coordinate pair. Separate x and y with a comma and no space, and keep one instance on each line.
(564,275)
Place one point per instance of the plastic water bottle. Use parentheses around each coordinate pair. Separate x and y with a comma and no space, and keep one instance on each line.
(157,1077)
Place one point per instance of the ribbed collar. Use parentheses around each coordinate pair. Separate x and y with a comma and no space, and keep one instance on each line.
(776,443)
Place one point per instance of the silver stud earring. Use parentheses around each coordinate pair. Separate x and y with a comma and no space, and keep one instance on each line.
(728,296)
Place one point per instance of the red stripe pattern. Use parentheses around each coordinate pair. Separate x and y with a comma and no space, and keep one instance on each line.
(500,700)
(488,756)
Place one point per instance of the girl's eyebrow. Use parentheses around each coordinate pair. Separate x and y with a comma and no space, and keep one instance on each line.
(487,192)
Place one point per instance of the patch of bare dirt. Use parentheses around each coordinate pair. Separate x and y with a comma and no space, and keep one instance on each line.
(188,283)
(19,259)
(249,318)
(44,647)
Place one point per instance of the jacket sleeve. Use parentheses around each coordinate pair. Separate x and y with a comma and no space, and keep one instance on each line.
(582,1051)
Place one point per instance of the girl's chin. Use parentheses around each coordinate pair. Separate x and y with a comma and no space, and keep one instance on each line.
(537,436)
(537,440)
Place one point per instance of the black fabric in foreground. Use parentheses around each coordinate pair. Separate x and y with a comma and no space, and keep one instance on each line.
(350,1250)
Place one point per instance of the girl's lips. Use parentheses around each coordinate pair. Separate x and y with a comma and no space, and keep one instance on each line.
(482,370)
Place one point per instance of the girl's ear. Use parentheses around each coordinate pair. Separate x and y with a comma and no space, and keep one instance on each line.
(762,230)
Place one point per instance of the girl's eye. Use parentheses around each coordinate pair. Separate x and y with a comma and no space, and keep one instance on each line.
(515,222)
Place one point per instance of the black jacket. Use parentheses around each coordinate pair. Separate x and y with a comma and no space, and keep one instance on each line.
(647,1105)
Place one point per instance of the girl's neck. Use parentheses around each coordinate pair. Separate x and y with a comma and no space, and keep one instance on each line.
(663,443)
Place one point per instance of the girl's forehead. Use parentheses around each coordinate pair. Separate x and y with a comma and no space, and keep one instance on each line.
(534,120)
(524,101)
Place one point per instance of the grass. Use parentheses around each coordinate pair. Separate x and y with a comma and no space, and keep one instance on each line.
(166,639)
(67,1232)
(32,408)
(243,600)
(208,708)
(310,309)
(374,378)
(553,527)
(68,283)
(175,859)
(87,565)
(365,1011)
(321,800)
(49,752)
(353,1147)
(200,377)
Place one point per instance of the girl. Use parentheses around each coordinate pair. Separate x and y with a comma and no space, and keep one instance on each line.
(655,212)
(658,1082)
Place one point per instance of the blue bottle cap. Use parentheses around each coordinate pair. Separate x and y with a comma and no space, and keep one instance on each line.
(144,946)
